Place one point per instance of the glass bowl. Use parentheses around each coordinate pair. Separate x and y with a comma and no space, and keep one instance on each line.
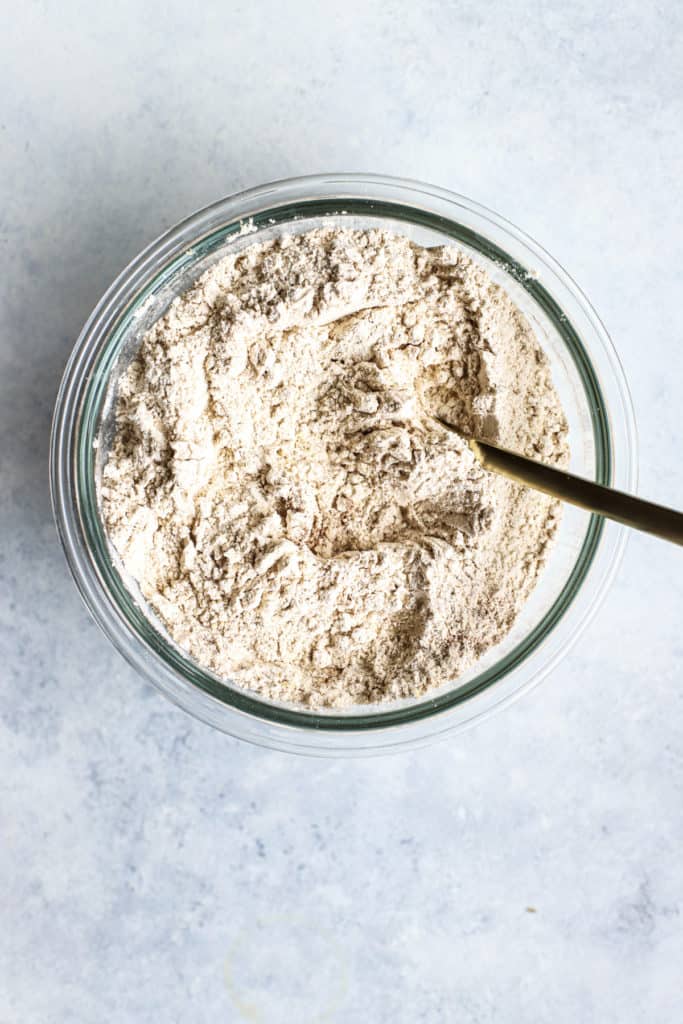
(587,375)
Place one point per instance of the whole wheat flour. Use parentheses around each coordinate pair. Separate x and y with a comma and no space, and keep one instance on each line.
(276,487)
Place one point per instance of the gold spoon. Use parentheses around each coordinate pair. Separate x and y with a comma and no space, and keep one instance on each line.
(605,501)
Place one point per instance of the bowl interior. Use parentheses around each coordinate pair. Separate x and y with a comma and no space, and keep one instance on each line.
(573,374)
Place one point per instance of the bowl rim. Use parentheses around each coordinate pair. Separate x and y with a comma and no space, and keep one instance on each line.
(82,393)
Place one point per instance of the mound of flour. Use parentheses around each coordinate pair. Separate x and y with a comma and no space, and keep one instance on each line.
(288,508)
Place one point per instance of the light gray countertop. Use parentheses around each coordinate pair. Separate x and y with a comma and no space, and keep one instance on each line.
(153,870)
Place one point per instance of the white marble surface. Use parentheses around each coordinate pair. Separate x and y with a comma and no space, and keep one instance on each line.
(155,871)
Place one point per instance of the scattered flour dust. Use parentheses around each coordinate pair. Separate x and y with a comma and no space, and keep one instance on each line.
(285,502)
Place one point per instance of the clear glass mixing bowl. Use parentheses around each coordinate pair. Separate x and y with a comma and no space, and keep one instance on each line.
(587,375)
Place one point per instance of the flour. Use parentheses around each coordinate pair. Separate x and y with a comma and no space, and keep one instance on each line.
(280,493)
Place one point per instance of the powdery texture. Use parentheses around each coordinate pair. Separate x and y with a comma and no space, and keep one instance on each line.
(280,494)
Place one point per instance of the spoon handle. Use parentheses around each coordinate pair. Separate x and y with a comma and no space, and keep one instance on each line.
(624,508)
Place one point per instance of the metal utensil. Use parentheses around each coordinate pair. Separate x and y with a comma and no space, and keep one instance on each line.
(605,501)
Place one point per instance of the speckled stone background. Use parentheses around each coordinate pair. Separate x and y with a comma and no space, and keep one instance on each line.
(154,871)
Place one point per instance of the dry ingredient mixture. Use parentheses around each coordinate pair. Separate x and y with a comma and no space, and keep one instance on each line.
(276,485)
